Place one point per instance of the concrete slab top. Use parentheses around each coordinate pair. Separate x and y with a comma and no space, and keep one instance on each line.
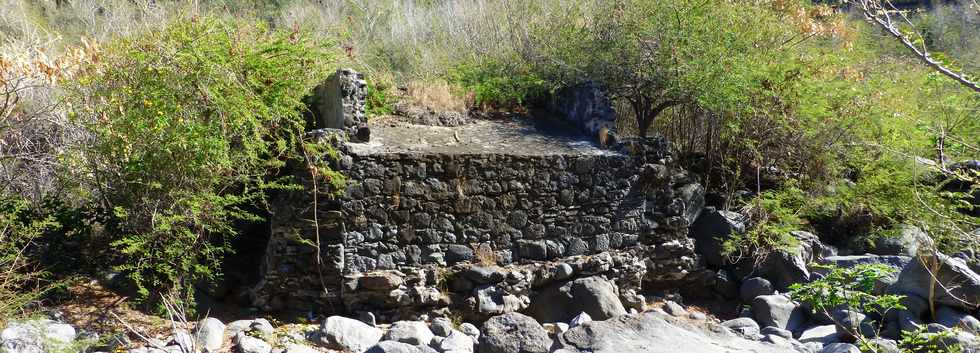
(509,136)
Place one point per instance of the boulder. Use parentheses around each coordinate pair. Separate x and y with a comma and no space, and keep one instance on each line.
(470,330)
(579,319)
(950,317)
(754,287)
(592,295)
(411,332)
(710,231)
(513,333)
(782,267)
(298,348)
(210,334)
(743,325)
(393,347)
(457,342)
(234,327)
(775,331)
(249,344)
(850,323)
(341,333)
(840,348)
(778,311)
(36,336)
(895,262)
(884,345)
(906,242)
(674,309)
(960,285)
(813,250)
(824,334)
(261,326)
(441,326)
(494,300)
(653,332)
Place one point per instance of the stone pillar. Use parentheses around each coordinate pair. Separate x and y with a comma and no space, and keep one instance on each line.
(340,104)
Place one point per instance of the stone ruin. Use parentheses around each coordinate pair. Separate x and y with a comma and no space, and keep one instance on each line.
(477,218)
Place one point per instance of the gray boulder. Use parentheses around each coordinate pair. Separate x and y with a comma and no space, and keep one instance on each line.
(783,268)
(249,344)
(824,334)
(754,287)
(457,342)
(895,262)
(341,333)
(778,311)
(775,331)
(960,285)
(410,332)
(441,326)
(592,295)
(840,348)
(674,309)
(210,334)
(950,317)
(906,242)
(513,333)
(850,323)
(393,347)
(579,319)
(653,332)
(743,325)
(36,336)
(710,231)
(494,300)
(261,326)
(299,348)
(470,330)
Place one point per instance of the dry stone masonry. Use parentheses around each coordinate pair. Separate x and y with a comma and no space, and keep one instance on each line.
(483,222)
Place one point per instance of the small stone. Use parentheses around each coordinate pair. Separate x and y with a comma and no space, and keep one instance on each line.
(470,330)
(441,326)
(563,271)
(262,326)
(744,326)
(754,287)
(579,319)
(674,309)
(698,316)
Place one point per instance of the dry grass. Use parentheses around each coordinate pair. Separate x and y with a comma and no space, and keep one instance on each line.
(436,94)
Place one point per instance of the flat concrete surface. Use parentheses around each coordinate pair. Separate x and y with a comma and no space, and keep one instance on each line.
(510,136)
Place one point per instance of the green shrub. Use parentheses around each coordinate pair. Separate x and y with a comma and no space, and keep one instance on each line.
(22,280)
(379,100)
(190,124)
(495,85)
(772,216)
(852,288)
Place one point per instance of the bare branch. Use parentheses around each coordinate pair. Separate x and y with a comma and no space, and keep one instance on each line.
(880,14)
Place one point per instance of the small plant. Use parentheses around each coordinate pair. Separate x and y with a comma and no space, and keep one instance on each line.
(920,341)
(773,215)
(852,288)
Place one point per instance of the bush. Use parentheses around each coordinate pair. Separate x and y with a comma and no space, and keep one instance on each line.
(852,288)
(22,281)
(190,125)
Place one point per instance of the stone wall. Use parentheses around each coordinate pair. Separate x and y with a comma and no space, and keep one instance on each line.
(416,214)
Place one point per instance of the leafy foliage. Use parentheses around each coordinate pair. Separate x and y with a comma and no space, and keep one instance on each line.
(190,123)
(920,341)
(22,281)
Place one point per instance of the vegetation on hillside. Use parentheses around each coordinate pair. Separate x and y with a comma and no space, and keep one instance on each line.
(149,129)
